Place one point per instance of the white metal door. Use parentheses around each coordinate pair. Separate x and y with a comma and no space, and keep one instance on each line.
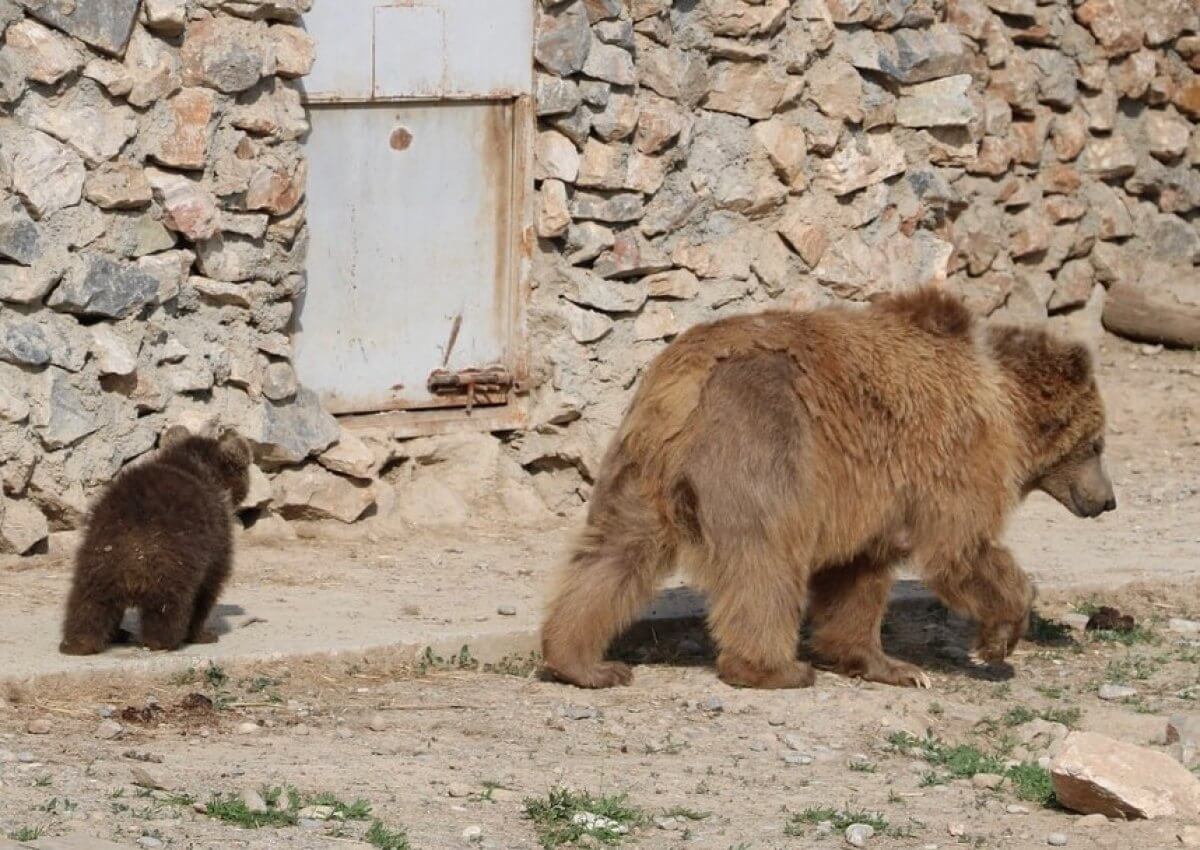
(416,201)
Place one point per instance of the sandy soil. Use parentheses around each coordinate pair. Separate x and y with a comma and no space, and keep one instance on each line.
(447,732)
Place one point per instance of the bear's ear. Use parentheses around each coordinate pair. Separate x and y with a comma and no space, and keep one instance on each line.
(173,436)
(235,448)
(1076,363)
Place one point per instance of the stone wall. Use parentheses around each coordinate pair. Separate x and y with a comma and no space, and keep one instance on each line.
(151,240)
(694,159)
(702,158)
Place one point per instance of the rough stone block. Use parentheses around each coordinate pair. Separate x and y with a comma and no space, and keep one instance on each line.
(103,24)
(96,286)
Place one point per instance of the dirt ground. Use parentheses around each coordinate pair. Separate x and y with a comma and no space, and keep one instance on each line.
(455,754)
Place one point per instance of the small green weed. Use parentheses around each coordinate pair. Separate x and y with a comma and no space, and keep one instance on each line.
(799,823)
(960,761)
(386,839)
(230,808)
(1042,630)
(565,817)
(26,833)
(685,813)
(1031,781)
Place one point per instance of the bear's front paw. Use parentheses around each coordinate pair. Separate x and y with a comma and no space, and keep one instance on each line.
(998,640)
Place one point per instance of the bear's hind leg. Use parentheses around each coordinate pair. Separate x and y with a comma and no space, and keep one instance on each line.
(848,603)
(206,599)
(613,573)
(165,623)
(90,624)
(754,616)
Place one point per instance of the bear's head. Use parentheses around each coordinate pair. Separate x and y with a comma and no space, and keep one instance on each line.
(1062,417)
(225,460)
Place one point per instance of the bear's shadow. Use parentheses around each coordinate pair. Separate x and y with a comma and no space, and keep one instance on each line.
(917,628)
(218,622)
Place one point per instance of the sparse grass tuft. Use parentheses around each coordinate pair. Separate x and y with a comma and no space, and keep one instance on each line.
(1127,637)
(1044,631)
(386,839)
(685,813)
(26,833)
(231,809)
(1032,782)
(839,818)
(564,817)
(960,761)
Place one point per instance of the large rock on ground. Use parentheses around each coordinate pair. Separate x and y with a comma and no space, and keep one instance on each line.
(313,493)
(22,526)
(1094,774)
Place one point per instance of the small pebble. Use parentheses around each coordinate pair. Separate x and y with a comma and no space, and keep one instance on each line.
(458,790)
(1016,809)
(149,841)
(505,611)
(377,723)
(247,728)
(713,705)
(145,779)
(858,834)
(26,757)
(989,781)
(1111,692)
(38,726)
(108,730)
(670,824)
(343,733)
(254,802)
(578,712)
(957,829)
(315,813)
(776,721)
(473,834)
(797,759)
(792,742)
(1184,627)
(1056,839)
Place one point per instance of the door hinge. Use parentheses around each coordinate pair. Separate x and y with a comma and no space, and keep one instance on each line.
(478,385)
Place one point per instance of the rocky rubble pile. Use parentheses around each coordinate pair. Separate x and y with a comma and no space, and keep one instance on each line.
(699,159)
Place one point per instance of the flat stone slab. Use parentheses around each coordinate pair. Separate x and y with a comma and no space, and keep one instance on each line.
(104,24)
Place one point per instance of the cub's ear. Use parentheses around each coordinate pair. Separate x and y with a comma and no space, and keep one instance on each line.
(1076,363)
(234,447)
(173,436)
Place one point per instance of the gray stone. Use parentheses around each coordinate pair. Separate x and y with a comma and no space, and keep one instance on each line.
(588,290)
(23,285)
(12,81)
(46,173)
(556,96)
(612,208)
(585,326)
(314,493)
(13,408)
(84,120)
(103,24)
(858,834)
(909,55)
(610,63)
(1111,692)
(97,286)
(226,54)
(45,56)
(22,526)
(564,39)
(67,418)
(20,237)
(941,103)
(113,354)
(1057,73)
(291,431)
(268,10)
(279,382)
(23,342)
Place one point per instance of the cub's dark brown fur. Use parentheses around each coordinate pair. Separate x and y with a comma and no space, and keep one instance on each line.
(789,461)
(159,539)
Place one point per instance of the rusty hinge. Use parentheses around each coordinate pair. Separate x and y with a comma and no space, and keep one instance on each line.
(472,383)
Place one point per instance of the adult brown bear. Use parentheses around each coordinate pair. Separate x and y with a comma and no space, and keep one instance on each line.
(789,460)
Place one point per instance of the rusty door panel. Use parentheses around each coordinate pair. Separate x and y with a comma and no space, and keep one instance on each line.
(410,222)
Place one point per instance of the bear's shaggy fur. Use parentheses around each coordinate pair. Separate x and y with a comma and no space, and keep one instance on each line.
(160,538)
(789,460)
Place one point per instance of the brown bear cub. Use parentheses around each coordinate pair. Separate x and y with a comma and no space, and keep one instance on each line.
(160,539)
(788,461)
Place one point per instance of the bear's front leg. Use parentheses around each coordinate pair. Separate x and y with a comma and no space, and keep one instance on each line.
(988,586)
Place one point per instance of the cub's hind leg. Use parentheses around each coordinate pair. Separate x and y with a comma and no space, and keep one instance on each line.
(91,623)
(847,606)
